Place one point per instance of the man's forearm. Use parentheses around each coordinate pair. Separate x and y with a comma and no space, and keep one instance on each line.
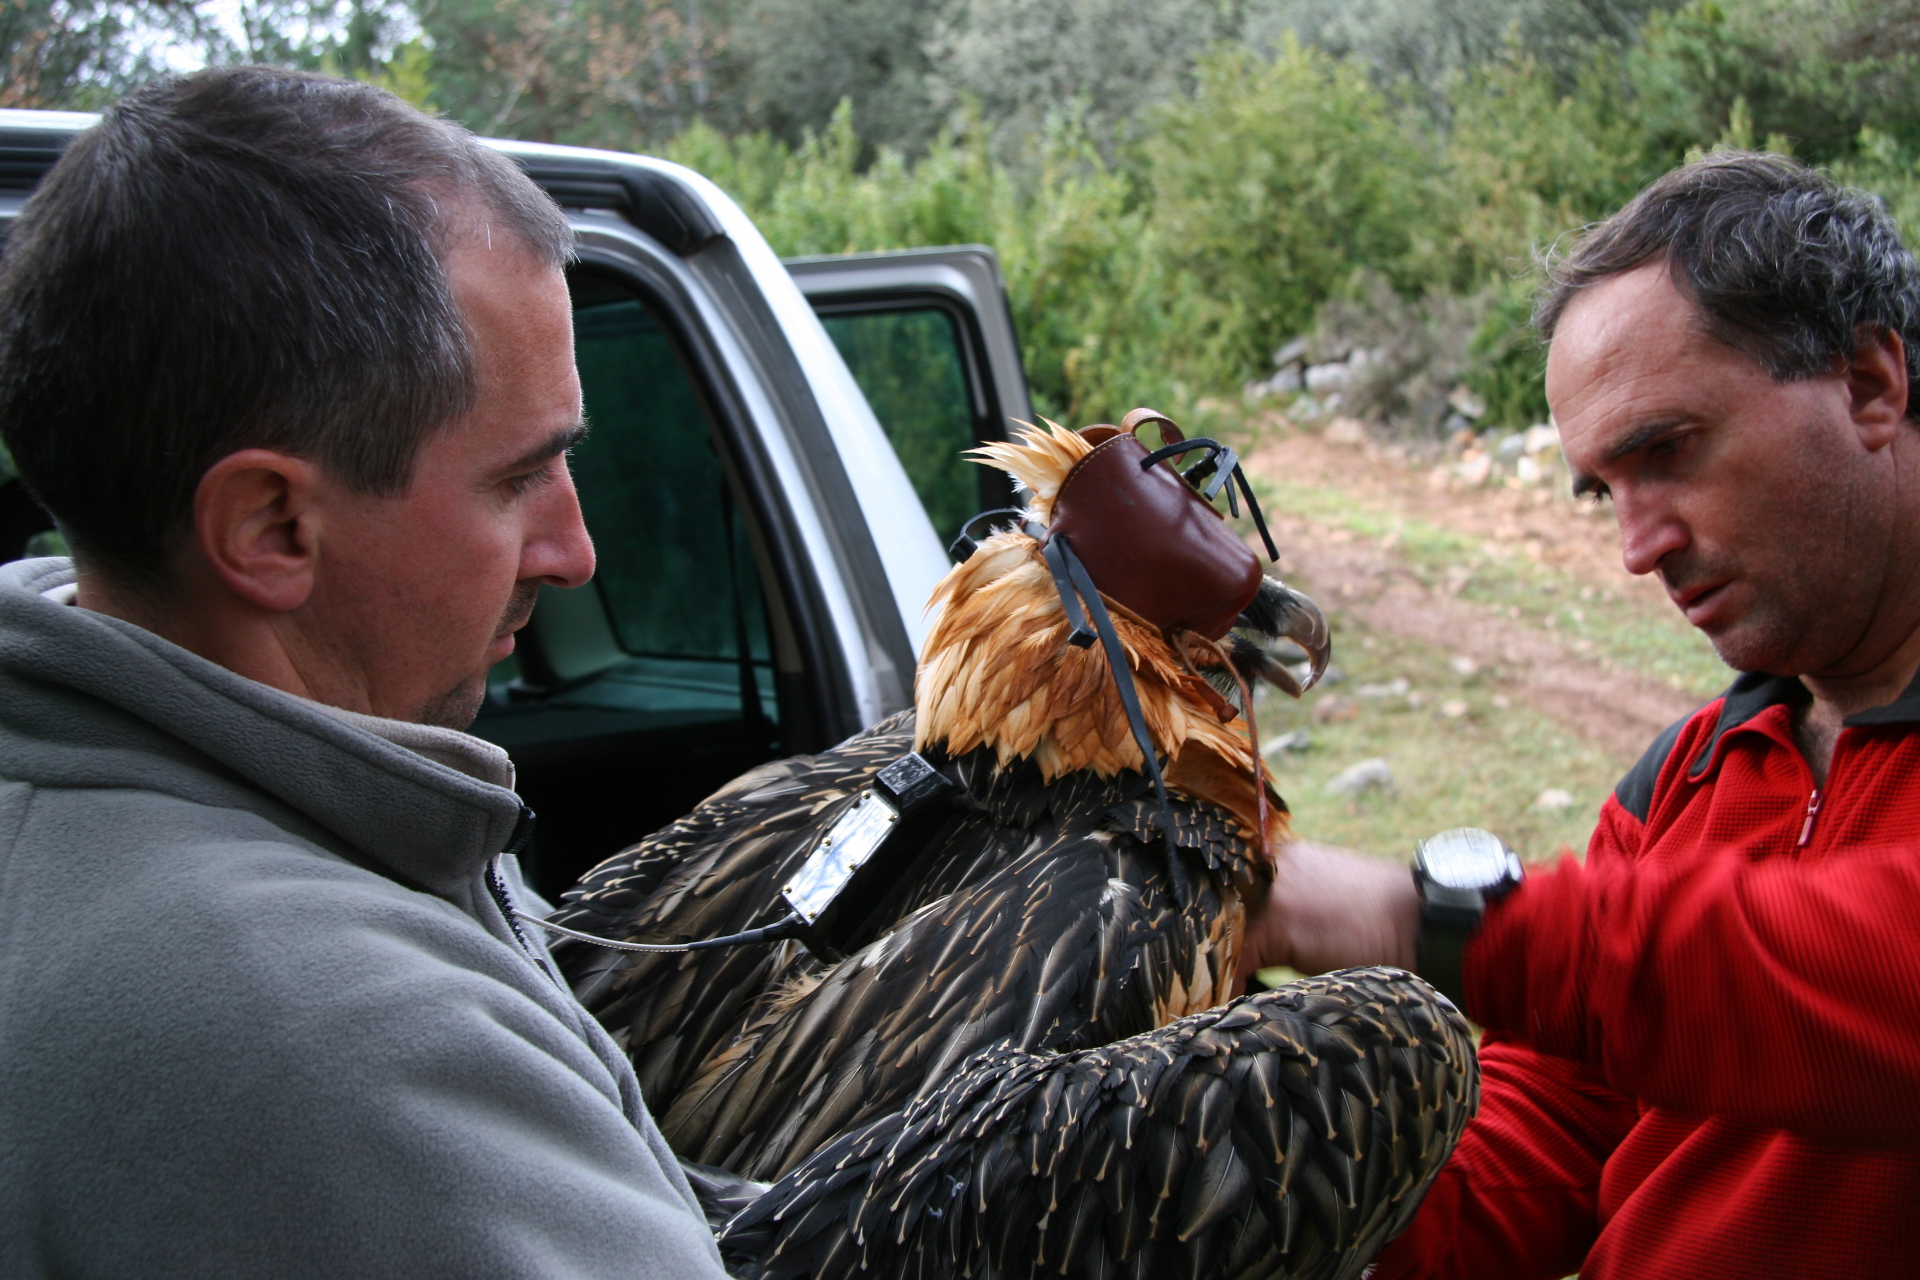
(1332,908)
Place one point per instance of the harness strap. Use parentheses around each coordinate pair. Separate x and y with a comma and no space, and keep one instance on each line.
(1060,563)
(791,927)
(1223,464)
(1122,673)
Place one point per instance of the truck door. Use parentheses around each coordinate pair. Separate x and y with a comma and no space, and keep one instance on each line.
(763,559)
(929,337)
(681,664)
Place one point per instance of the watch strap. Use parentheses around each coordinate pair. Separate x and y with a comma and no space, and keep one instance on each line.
(1448,918)
(1450,911)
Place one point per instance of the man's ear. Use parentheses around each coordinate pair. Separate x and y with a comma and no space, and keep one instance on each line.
(1877,385)
(256,519)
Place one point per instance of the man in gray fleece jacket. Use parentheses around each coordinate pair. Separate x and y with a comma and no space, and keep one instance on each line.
(291,365)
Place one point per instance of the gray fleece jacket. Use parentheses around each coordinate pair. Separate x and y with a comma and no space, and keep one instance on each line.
(261,1013)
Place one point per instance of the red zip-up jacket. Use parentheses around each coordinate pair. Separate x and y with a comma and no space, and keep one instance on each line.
(1703,1048)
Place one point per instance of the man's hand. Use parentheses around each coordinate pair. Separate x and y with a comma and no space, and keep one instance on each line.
(1332,908)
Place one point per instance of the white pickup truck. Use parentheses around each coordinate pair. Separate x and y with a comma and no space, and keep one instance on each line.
(771,479)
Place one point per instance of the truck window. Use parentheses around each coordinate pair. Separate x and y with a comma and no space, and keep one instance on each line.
(635,695)
(910,364)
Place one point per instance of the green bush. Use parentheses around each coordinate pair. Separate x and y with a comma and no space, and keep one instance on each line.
(1295,190)
(1082,277)
(1273,185)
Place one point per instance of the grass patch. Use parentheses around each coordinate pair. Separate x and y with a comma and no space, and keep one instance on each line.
(1485,768)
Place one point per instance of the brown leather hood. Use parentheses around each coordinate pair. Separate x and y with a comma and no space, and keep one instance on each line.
(1147,539)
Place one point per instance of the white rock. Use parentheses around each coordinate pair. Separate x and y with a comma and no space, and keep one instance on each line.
(1540,437)
(1554,800)
(1322,378)
(1454,708)
(1394,688)
(1474,467)
(1297,740)
(1526,470)
(1465,402)
(1368,775)
(1463,666)
(1511,447)
(1292,351)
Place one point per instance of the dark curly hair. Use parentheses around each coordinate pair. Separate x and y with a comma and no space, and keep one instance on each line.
(1786,265)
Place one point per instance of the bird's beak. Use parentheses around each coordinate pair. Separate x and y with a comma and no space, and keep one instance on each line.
(1302,622)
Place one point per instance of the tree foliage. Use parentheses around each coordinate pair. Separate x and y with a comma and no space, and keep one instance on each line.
(1174,189)
(1274,183)
(801,59)
(1022,61)
(614,73)
(81,54)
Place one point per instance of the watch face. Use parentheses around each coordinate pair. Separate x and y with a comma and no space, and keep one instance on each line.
(1468,858)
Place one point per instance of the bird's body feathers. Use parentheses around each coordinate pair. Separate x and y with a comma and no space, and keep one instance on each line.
(1030,1062)
(1046,917)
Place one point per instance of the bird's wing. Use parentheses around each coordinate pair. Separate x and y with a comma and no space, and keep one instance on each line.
(1046,917)
(717,871)
(721,1194)
(1073,935)
(1290,1134)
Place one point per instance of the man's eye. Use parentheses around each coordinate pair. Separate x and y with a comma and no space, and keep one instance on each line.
(518,485)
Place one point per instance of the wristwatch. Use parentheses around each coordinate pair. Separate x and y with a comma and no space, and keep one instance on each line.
(1457,874)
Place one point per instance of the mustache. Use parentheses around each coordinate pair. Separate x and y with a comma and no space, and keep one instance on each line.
(519,607)
(1686,571)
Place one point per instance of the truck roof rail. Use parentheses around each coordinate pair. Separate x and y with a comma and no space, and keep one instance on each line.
(657,203)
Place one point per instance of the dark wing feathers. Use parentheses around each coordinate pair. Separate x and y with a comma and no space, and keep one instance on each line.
(1066,935)
(1168,1153)
(1005,963)
(998,1085)
(718,870)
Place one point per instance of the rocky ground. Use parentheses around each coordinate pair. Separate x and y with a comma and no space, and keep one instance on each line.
(1497,666)
(1612,704)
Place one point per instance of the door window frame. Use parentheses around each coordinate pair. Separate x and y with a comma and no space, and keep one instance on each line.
(988,416)
(795,614)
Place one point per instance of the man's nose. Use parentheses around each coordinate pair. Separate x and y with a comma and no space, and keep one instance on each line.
(1649,533)
(559,550)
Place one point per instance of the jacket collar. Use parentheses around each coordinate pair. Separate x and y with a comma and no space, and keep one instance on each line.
(1750,695)
(87,699)
(1904,709)
(1756,692)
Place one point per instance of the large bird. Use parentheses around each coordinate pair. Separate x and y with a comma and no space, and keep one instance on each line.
(1029,1058)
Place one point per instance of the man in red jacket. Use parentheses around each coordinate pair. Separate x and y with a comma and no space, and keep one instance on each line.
(1703,1045)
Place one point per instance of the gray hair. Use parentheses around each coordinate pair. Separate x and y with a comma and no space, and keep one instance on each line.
(1786,265)
(241,258)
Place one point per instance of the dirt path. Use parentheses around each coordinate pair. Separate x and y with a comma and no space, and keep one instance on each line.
(1617,709)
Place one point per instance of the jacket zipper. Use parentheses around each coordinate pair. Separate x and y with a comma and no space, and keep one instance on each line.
(1813,810)
(516,844)
(500,900)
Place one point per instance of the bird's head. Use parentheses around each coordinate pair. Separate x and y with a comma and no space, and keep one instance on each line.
(1003,667)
